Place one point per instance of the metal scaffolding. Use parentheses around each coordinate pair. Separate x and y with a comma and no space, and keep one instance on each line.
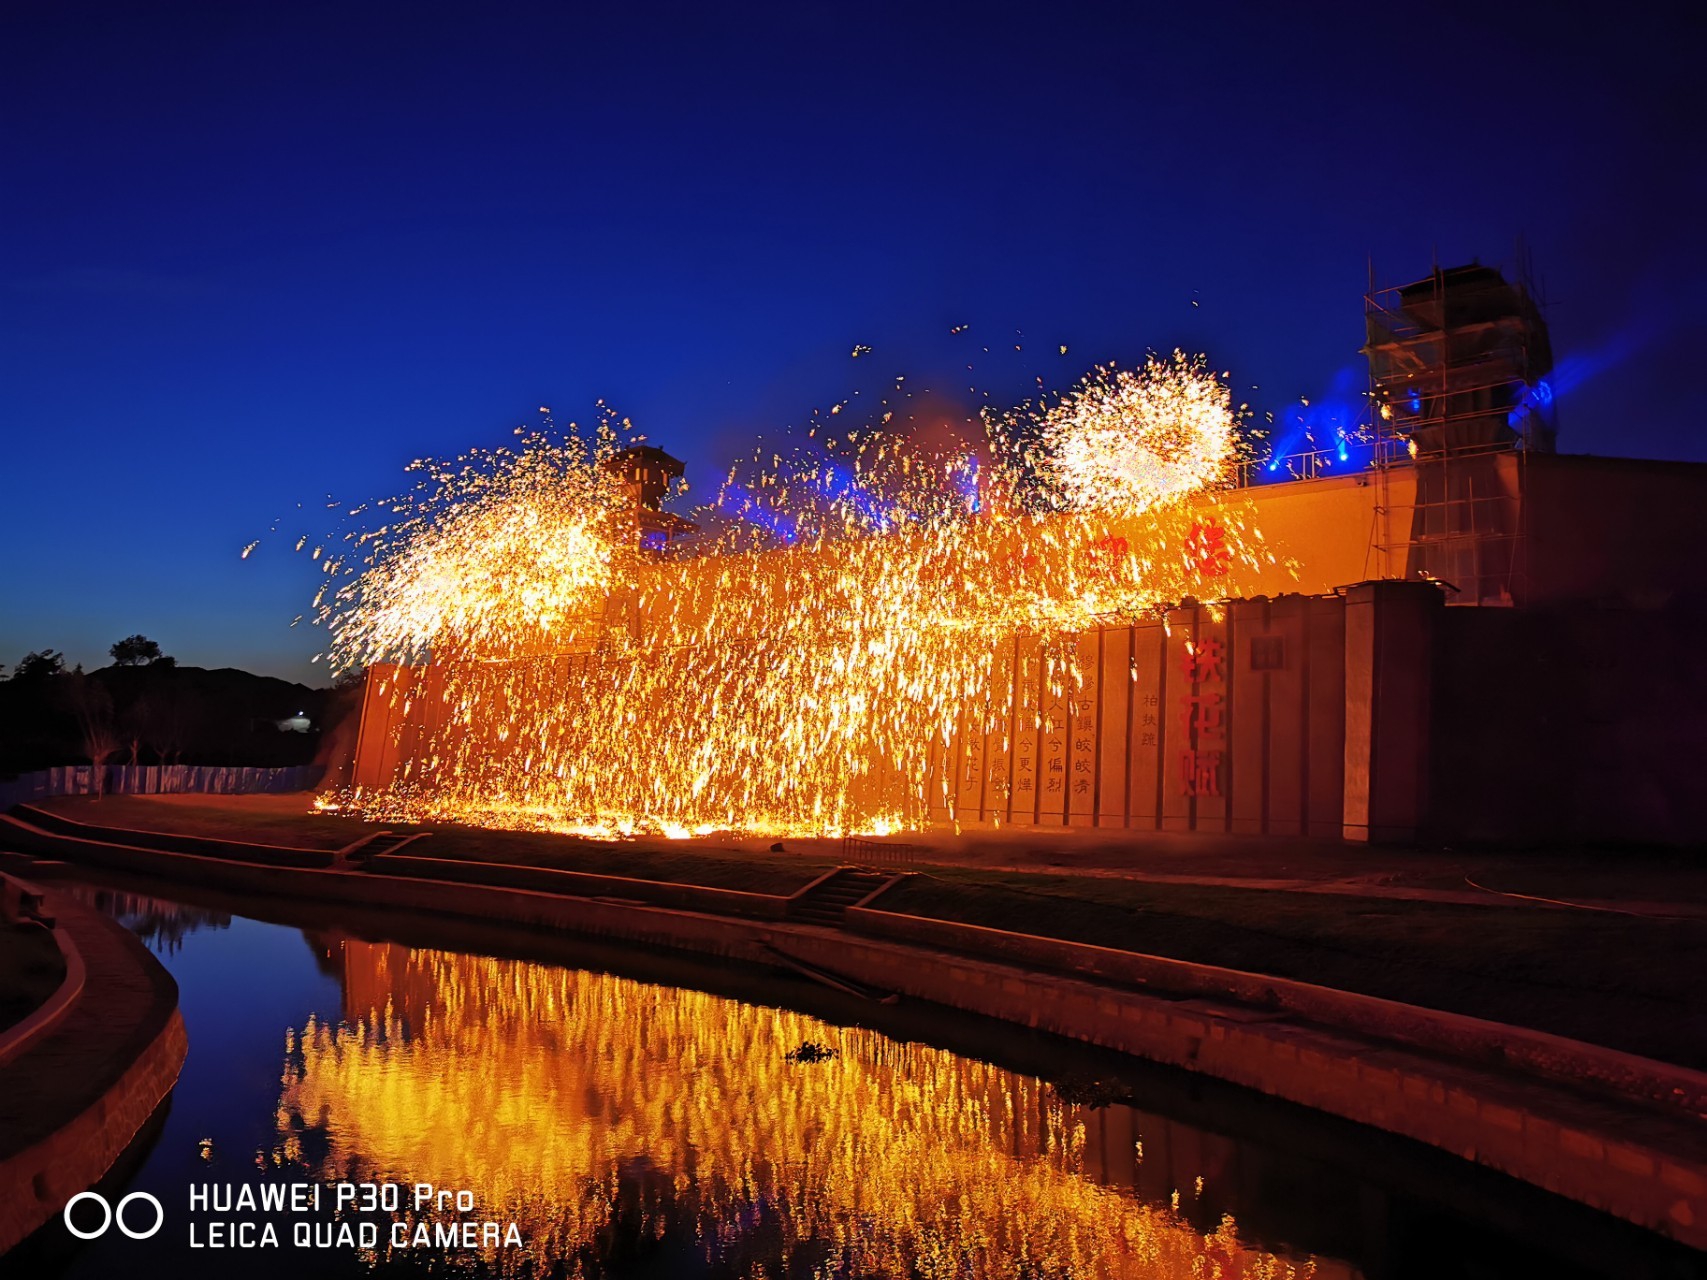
(1457,368)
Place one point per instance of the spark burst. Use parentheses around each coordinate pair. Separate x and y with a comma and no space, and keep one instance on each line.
(1136,438)
(555,676)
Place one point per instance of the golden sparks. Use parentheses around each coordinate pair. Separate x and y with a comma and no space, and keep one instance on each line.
(798,666)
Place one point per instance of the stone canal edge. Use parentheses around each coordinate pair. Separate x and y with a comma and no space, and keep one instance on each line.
(1620,1133)
(82,1075)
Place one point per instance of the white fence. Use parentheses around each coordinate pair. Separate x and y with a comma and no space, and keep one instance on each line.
(151,779)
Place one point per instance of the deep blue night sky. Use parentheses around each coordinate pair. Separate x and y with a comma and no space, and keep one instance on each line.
(258,253)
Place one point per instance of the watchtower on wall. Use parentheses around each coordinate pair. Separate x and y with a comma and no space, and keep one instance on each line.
(647,473)
(1457,368)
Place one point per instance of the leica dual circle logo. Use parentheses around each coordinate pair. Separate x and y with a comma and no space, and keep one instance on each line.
(111,1215)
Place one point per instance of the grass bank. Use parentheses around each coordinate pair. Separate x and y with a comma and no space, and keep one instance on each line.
(1626,982)
(285,820)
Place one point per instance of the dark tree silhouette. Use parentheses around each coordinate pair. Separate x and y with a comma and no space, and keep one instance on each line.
(133,651)
(40,665)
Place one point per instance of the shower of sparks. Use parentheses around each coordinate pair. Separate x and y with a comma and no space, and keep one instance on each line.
(798,667)
(512,546)
(1138,438)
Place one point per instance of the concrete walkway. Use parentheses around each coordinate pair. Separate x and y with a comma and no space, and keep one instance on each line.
(1644,882)
(1372,888)
(75,1098)
(127,998)
(1661,884)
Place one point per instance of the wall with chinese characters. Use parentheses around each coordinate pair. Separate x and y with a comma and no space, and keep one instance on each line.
(1229,719)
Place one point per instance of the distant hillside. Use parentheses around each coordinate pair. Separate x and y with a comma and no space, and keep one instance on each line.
(162,714)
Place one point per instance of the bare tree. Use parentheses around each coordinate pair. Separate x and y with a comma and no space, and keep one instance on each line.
(168,718)
(93,706)
(134,728)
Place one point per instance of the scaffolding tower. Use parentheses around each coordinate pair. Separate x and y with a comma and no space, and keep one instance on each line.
(1457,369)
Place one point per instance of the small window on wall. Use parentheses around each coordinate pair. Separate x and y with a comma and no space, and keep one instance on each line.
(1268,653)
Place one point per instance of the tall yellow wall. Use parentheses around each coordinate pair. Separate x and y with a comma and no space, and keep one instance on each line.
(1094,732)
(1310,536)
(1327,533)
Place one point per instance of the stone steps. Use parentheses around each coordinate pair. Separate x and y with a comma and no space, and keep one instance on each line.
(827,901)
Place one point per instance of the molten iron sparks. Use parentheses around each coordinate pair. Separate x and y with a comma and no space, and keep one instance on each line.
(1138,438)
(520,549)
(556,676)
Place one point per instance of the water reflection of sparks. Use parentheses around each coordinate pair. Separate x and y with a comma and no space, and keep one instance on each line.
(608,1117)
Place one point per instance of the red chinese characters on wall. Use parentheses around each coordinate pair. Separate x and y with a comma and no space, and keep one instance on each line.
(1021,562)
(1202,717)
(1206,551)
(1106,557)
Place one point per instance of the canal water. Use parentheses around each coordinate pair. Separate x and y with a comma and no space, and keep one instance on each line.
(587,1112)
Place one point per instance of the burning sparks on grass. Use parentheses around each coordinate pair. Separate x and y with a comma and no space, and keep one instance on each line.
(799,671)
